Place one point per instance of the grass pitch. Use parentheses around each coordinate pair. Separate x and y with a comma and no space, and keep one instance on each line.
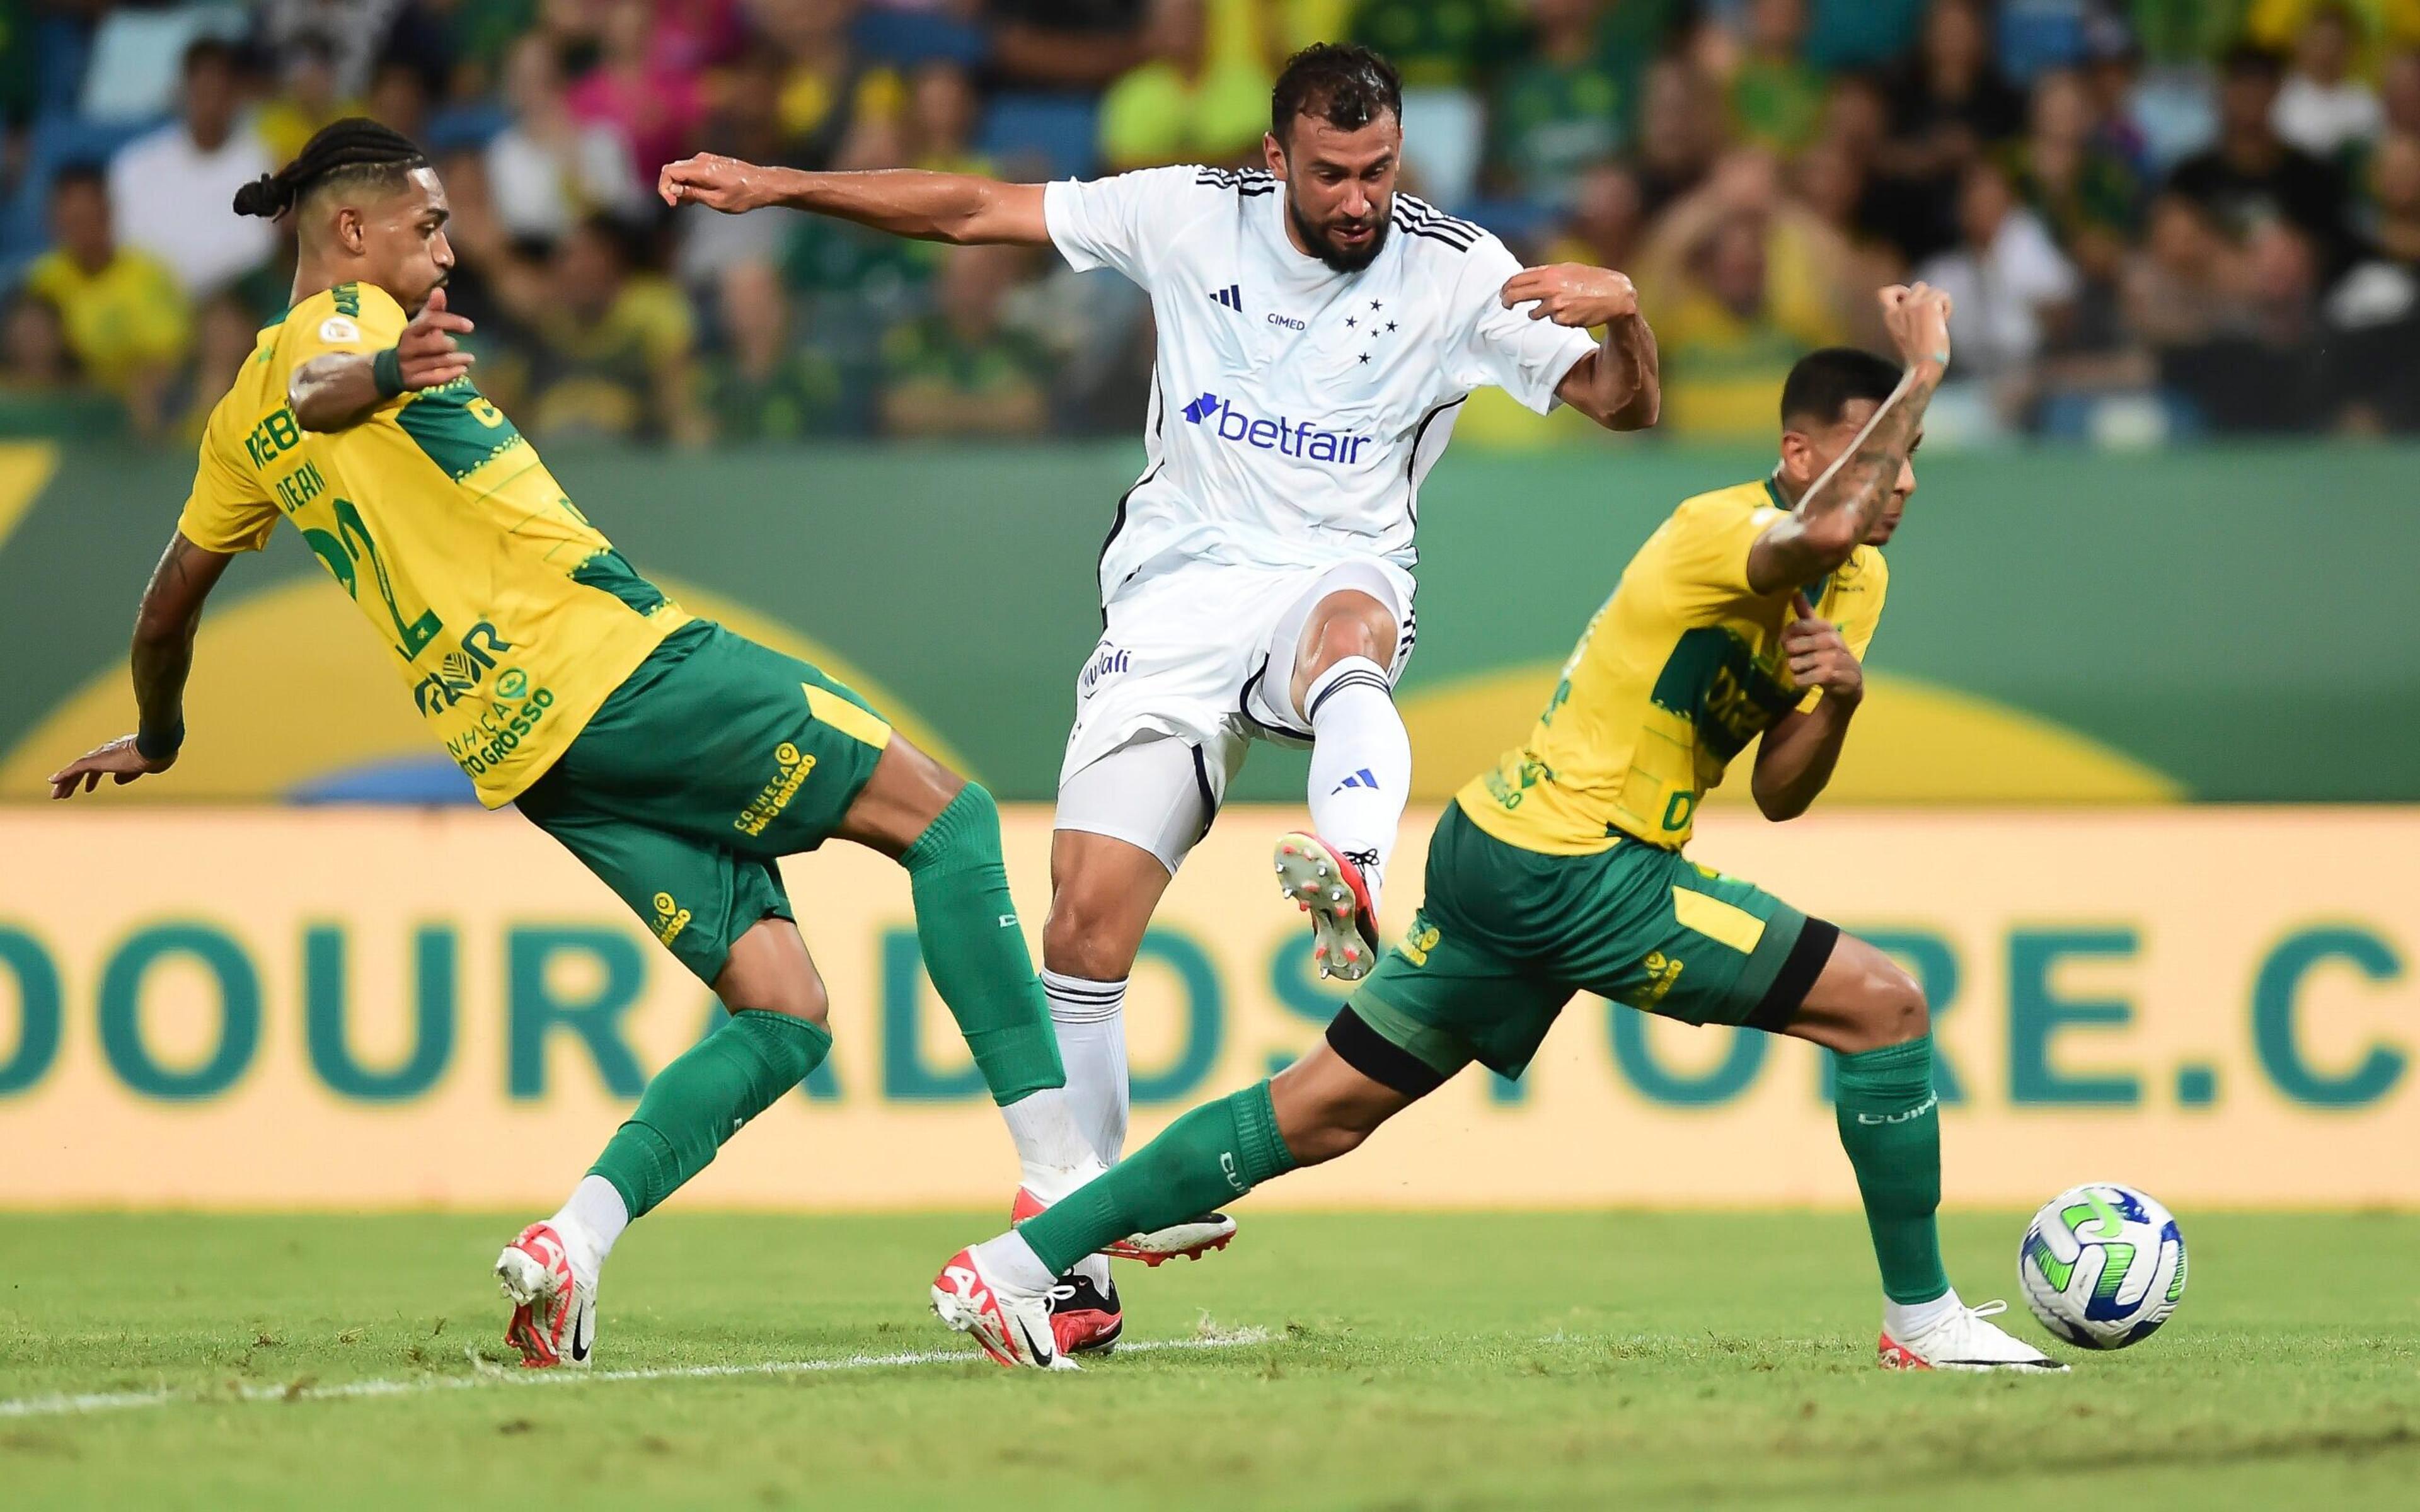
(1379,1362)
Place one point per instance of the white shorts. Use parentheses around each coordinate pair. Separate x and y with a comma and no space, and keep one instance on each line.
(1194,665)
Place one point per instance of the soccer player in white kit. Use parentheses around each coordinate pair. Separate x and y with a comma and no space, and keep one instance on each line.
(1318,332)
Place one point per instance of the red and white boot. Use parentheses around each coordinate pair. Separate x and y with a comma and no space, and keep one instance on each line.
(1327,884)
(554,1313)
(1011,1323)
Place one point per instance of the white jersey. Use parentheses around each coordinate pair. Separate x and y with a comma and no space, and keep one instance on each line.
(1296,410)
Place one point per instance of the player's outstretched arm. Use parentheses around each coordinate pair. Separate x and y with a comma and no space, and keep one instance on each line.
(907,201)
(337,390)
(1620,385)
(1840,507)
(164,655)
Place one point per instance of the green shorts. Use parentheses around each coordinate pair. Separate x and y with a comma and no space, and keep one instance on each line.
(713,759)
(1506,936)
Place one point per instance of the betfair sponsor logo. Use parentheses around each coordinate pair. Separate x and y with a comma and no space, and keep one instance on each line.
(671,917)
(791,766)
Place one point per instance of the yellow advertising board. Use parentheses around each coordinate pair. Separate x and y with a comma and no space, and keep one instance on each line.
(287,1007)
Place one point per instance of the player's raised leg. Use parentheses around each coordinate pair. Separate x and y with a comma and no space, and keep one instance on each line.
(1872,1017)
(1342,690)
(1320,1107)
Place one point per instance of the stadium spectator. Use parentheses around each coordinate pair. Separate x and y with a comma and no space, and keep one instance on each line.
(2399,91)
(42,391)
(170,190)
(2084,191)
(826,89)
(1743,284)
(307,98)
(1948,106)
(649,93)
(1680,132)
(609,353)
(2253,175)
(398,98)
(2322,108)
(126,316)
(764,385)
(937,118)
(355,33)
(1602,226)
(548,169)
(1068,44)
(1559,112)
(962,370)
(1204,97)
(2374,310)
(2009,287)
(1775,95)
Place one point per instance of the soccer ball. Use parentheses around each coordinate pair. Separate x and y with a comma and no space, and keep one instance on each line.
(2102,1265)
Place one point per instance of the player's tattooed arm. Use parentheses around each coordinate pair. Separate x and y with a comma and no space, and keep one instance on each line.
(1619,385)
(1839,509)
(906,202)
(340,388)
(162,657)
(1795,758)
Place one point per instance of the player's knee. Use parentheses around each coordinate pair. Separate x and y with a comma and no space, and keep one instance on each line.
(1087,935)
(1895,1011)
(799,998)
(1361,627)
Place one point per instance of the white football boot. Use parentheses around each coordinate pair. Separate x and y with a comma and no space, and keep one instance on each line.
(554,1311)
(1964,1340)
(1011,1323)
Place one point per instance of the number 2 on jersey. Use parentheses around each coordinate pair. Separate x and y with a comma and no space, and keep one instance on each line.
(350,544)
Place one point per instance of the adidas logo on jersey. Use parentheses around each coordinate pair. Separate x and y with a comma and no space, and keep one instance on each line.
(1284,437)
(1232,297)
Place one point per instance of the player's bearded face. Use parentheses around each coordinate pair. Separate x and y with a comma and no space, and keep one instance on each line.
(1339,187)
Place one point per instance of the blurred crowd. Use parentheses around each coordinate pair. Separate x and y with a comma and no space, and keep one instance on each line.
(2160,218)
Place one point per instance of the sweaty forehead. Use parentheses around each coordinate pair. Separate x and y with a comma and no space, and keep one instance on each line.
(1317,141)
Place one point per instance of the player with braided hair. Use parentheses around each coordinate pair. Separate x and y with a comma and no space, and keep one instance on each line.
(676,759)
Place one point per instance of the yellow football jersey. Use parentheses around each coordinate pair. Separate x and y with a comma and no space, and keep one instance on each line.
(1679,671)
(509,616)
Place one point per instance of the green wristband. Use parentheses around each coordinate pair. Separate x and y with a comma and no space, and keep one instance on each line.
(386,371)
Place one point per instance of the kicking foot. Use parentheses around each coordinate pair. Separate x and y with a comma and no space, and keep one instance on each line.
(555,1314)
(1188,1241)
(1086,1318)
(1964,1341)
(1011,1324)
(1325,884)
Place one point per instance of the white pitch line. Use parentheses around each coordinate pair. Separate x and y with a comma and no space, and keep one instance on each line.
(490,1375)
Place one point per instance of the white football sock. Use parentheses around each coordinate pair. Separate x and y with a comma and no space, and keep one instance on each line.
(1052,1149)
(1011,1262)
(1090,1019)
(1905,1321)
(1095,1269)
(589,1224)
(1360,765)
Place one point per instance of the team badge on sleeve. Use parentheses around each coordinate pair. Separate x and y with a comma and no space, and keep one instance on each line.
(338,329)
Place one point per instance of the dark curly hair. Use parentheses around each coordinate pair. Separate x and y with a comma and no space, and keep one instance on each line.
(1345,85)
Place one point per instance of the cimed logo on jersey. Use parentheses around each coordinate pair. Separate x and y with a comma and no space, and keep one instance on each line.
(1285,437)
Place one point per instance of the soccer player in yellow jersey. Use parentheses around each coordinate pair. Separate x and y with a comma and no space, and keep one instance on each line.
(1741,619)
(676,759)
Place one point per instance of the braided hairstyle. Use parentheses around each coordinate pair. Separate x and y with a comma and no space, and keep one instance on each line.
(353,151)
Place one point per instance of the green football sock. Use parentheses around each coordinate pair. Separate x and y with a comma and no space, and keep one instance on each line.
(1214,1154)
(1890,1125)
(965,924)
(703,1098)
